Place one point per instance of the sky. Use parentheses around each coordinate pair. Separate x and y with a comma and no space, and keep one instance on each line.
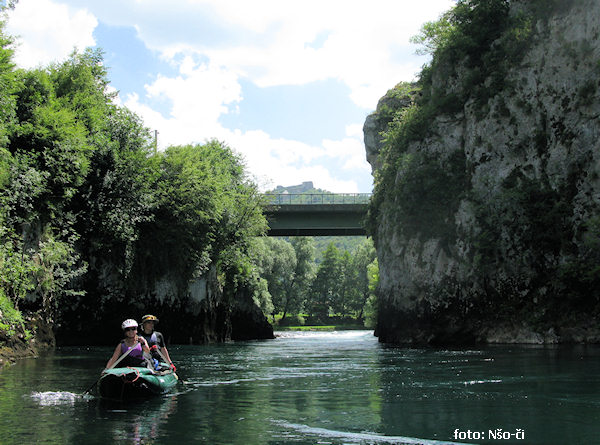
(285,83)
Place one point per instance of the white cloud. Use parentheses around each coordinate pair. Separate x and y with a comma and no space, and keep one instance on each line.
(271,42)
(284,162)
(287,162)
(350,153)
(49,31)
(366,46)
(363,45)
(196,98)
(271,161)
(355,130)
(200,94)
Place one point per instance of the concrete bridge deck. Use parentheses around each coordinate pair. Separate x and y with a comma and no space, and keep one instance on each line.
(316,215)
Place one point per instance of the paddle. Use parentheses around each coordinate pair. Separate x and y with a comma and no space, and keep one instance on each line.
(111,367)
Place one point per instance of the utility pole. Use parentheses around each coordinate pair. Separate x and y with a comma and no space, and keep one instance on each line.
(155,141)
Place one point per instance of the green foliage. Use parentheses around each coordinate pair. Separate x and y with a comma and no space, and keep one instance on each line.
(41,271)
(287,268)
(341,284)
(434,36)
(531,213)
(11,319)
(325,291)
(276,262)
(80,84)
(351,290)
(370,308)
(472,47)
(16,265)
(56,266)
(5,163)
(204,208)
(339,287)
(91,219)
(261,295)
(7,85)
(464,36)
(349,243)
(290,320)
(48,139)
(304,273)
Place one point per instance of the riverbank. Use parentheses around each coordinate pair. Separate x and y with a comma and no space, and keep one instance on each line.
(9,354)
(36,337)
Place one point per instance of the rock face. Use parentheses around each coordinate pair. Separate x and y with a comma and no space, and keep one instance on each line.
(489,229)
(200,313)
(248,322)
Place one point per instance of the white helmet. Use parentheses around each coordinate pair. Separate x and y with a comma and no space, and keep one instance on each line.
(129,323)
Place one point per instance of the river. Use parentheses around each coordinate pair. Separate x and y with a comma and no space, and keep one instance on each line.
(316,388)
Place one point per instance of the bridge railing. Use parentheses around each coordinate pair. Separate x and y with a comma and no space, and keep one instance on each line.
(316,198)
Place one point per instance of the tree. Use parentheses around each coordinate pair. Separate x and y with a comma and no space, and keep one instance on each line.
(341,284)
(276,262)
(303,274)
(325,287)
(8,85)
(85,188)
(287,268)
(362,258)
(370,307)
(43,159)
(346,285)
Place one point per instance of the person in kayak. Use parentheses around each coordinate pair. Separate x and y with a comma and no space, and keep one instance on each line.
(133,341)
(155,340)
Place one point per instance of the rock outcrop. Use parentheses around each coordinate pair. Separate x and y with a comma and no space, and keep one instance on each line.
(35,337)
(198,313)
(487,229)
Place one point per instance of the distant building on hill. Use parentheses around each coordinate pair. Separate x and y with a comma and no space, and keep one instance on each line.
(306,186)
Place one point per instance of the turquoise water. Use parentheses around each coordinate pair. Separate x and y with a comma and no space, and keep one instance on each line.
(309,388)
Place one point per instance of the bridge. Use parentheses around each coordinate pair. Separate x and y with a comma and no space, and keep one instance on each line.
(316,214)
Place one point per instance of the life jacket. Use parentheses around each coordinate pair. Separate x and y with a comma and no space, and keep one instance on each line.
(151,339)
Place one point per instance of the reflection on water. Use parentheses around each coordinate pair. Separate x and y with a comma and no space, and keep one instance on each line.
(314,387)
(144,419)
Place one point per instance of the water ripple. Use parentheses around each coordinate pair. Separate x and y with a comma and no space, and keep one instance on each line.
(53,398)
(362,437)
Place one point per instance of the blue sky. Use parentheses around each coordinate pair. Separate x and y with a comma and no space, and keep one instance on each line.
(286,83)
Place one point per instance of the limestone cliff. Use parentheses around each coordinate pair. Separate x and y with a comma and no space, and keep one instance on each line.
(486,211)
(198,311)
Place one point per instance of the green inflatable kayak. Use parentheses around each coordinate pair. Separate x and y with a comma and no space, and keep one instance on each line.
(135,383)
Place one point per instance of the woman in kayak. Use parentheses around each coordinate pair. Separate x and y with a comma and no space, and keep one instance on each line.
(138,345)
